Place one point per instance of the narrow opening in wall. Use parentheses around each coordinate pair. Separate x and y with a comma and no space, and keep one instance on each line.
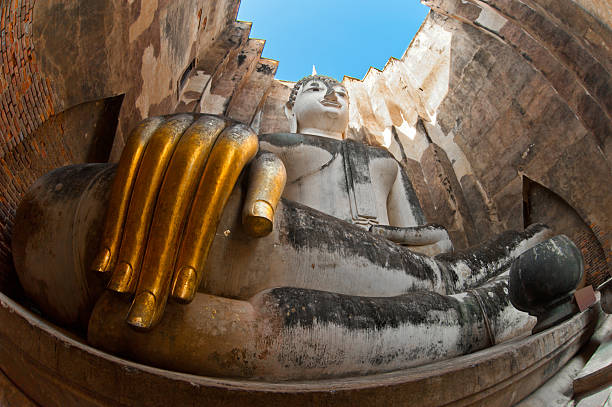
(541,205)
(185,76)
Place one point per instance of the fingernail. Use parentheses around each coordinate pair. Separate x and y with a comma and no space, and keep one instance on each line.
(185,285)
(101,261)
(259,221)
(121,278)
(142,312)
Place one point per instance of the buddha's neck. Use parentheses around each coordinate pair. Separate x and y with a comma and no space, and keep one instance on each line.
(322,133)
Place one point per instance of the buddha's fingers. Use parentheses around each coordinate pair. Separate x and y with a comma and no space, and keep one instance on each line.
(175,197)
(421,235)
(144,196)
(266,183)
(121,193)
(235,147)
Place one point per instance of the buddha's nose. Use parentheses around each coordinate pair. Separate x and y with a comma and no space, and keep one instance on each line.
(331,95)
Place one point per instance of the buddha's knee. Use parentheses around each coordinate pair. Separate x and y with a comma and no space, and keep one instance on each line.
(55,237)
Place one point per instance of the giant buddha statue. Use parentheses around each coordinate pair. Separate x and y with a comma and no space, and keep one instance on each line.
(284,256)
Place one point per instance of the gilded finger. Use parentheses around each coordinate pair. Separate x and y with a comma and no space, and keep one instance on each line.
(175,197)
(121,192)
(234,148)
(144,196)
(267,177)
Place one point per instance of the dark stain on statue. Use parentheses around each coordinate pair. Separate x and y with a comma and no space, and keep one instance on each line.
(234,360)
(293,140)
(304,307)
(304,226)
(481,257)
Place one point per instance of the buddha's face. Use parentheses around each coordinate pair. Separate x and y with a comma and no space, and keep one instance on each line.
(321,108)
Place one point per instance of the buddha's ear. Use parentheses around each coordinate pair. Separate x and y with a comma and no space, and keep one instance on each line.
(291,117)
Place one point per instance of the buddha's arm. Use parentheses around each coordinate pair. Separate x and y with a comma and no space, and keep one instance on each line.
(173,180)
(403,207)
(406,221)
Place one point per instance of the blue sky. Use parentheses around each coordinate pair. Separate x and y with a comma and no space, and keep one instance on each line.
(340,37)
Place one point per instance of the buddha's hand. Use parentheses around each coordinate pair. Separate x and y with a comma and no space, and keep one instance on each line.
(429,239)
(173,180)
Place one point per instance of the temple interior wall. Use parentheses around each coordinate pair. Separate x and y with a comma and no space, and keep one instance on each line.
(487,94)
(522,102)
(600,9)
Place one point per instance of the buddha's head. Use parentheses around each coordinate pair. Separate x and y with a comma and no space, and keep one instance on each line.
(318,105)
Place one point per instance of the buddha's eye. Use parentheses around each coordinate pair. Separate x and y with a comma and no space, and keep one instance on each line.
(340,92)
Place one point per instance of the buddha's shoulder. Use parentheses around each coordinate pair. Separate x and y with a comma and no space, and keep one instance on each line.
(295,140)
(292,140)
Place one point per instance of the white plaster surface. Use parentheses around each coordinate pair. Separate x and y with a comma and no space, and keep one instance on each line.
(491,20)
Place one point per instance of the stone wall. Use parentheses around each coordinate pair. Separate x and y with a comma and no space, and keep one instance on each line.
(527,94)
(97,49)
(600,9)
(534,100)
(544,206)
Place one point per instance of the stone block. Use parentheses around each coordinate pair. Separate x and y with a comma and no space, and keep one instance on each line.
(272,113)
(594,118)
(212,53)
(251,93)
(582,177)
(585,297)
(482,209)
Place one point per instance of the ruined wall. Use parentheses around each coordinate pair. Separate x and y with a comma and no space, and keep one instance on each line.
(600,9)
(543,206)
(96,49)
(526,92)
(534,100)
(26,101)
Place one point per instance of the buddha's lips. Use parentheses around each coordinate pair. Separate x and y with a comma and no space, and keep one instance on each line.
(330,103)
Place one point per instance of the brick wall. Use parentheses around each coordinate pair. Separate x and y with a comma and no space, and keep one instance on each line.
(26,101)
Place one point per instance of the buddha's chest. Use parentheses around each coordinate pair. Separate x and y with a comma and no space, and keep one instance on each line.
(344,182)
